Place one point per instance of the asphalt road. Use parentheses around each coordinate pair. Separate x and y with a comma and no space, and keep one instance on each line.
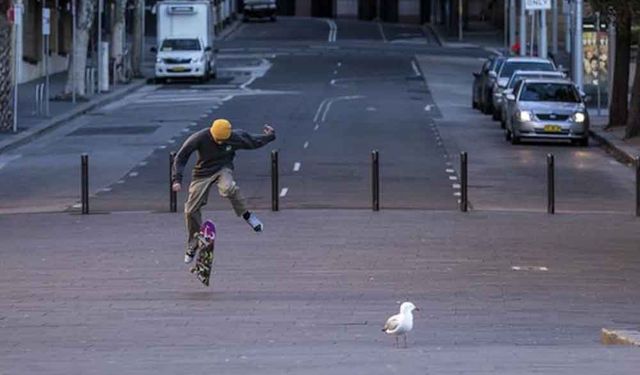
(334,91)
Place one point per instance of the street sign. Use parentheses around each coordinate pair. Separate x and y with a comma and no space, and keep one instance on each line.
(537,4)
(46,21)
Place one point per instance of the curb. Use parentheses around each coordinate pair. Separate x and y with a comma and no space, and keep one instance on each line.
(620,337)
(226,32)
(53,123)
(613,149)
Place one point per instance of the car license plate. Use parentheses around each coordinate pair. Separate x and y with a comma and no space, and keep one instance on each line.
(552,129)
(178,69)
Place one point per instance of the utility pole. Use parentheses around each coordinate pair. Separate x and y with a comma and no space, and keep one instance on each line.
(554,27)
(542,45)
(17,56)
(99,45)
(72,66)
(460,19)
(566,9)
(523,28)
(577,44)
(512,22)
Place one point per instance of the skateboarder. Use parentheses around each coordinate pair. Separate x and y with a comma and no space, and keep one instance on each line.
(216,147)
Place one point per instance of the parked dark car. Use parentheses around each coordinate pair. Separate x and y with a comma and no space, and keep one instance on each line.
(483,82)
(259,9)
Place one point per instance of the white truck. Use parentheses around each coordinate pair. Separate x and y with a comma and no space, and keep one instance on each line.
(185,38)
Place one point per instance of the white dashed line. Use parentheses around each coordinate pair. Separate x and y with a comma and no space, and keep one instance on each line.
(415,68)
(306,145)
(449,170)
(335,72)
(120,182)
(162,147)
(339,63)
(284,192)
(529,268)
(428,108)
(453,178)
(171,141)
(133,174)
(456,186)
(142,163)
(296,166)
(456,194)
(316,127)
(186,130)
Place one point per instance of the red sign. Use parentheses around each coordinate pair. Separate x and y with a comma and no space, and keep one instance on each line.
(10,14)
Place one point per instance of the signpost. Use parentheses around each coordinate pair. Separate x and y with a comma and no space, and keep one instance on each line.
(537,4)
(46,31)
(17,48)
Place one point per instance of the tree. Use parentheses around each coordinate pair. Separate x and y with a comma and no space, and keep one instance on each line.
(6,83)
(633,122)
(85,13)
(138,27)
(117,34)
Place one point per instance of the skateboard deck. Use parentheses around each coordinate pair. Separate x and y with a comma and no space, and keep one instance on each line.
(204,261)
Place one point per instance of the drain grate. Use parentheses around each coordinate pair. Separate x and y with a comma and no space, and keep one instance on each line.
(114,130)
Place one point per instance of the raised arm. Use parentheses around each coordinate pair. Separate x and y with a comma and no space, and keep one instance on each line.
(246,141)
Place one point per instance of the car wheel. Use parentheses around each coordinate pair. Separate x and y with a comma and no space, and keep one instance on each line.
(514,139)
(584,142)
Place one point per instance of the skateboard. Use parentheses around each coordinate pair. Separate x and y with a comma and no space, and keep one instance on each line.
(204,261)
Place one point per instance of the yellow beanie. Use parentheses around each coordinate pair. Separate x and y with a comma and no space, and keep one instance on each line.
(220,130)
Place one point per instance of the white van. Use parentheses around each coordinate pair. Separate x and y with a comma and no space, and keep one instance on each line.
(185,40)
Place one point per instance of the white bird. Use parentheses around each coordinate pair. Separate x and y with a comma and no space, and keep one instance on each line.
(401,324)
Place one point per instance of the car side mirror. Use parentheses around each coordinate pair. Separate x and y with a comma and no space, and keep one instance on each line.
(493,74)
(154,50)
(207,49)
(508,92)
(510,97)
(476,74)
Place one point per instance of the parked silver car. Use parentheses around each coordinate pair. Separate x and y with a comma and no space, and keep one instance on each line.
(547,108)
(517,76)
(510,66)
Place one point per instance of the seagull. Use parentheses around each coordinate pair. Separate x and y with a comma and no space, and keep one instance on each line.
(402,323)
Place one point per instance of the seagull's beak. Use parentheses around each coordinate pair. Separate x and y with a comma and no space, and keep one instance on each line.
(416,309)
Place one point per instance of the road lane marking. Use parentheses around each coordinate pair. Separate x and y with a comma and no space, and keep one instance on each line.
(316,127)
(428,107)
(384,38)
(283,192)
(415,68)
(335,72)
(333,30)
(133,174)
(327,108)
(319,110)
(306,144)
(530,268)
(339,64)
(457,194)
(450,170)
(296,166)
(453,178)
(455,186)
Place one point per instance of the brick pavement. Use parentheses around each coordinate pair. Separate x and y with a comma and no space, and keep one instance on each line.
(108,294)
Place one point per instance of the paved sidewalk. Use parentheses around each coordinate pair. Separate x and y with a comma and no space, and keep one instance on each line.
(31,124)
(108,294)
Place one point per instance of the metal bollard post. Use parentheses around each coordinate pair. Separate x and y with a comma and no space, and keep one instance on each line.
(375,180)
(274,181)
(84,182)
(464,197)
(638,186)
(173,196)
(36,109)
(551,185)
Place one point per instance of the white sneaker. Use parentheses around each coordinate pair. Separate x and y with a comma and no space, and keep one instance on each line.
(255,223)
(190,254)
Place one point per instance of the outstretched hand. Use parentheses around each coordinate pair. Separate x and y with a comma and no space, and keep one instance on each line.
(268,130)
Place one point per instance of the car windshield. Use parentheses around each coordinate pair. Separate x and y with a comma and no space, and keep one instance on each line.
(549,92)
(510,67)
(180,45)
(519,77)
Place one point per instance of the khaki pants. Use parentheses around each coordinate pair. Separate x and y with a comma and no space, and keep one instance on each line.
(199,194)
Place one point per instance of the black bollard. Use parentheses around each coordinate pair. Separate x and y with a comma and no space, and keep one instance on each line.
(375,180)
(173,196)
(551,185)
(464,197)
(84,183)
(638,186)
(274,181)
